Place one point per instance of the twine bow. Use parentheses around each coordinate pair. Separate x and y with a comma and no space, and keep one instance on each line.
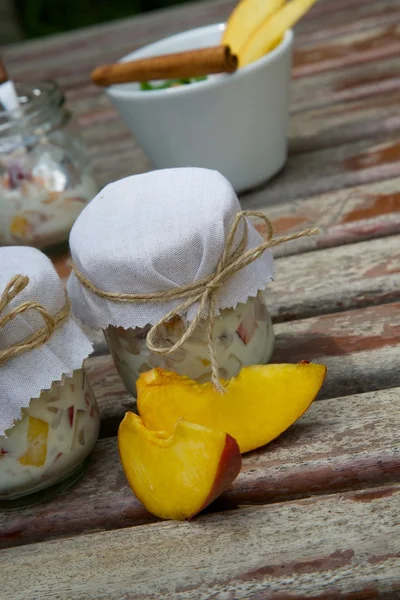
(39,337)
(204,291)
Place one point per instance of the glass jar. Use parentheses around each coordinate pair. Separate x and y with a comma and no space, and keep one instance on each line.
(45,180)
(243,336)
(48,446)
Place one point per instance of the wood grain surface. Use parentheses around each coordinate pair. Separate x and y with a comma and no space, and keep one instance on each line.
(315,514)
(339,444)
(341,546)
(359,347)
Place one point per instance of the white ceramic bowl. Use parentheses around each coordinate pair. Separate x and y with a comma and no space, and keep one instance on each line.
(235,124)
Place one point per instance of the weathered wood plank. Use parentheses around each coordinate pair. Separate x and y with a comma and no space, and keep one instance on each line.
(324,124)
(117,155)
(346,122)
(307,173)
(329,19)
(340,334)
(310,129)
(89,49)
(359,347)
(344,217)
(362,83)
(358,143)
(325,20)
(317,172)
(355,373)
(335,279)
(331,279)
(329,547)
(339,444)
(354,48)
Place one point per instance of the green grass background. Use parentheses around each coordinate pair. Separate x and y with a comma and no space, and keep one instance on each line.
(44,17)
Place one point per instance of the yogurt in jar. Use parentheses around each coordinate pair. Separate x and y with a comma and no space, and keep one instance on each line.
(45,176)
(54,436)
(242,336)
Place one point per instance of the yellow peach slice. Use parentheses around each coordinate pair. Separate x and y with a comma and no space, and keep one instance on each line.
(259,404)
(270,32)
(245,19)
(176,476)
(20,227)
(35,455)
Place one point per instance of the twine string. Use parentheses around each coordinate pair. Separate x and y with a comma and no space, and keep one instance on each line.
(203,291)
(15,286)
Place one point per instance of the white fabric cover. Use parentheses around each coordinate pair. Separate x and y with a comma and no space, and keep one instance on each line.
(26,375)
(153,232)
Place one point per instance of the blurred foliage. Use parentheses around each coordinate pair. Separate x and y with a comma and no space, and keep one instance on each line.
(43,17)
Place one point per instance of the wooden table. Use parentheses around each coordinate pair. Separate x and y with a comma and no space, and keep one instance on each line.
(316,513)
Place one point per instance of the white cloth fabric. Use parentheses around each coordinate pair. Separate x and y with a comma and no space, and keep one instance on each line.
(26,375)
(151,233)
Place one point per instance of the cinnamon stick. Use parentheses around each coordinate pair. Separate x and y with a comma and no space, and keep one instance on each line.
(193,63)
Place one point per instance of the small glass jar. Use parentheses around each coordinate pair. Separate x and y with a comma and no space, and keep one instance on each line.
(45,180)
(243,336)
(48,446)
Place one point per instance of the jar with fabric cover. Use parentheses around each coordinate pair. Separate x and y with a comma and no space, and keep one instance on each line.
(175,275)
(45,176)
(49,421)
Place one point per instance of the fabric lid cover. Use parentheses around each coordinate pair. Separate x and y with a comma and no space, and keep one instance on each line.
(25,376)
(153,232)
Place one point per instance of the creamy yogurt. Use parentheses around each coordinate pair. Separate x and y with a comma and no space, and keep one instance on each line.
(242,336)
(54,436)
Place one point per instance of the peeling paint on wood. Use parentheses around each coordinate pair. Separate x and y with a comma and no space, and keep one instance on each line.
(335,300)
(322,546)
(325,451)
(348,343)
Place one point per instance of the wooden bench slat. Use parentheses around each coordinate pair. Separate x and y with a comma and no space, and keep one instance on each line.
(324,20)
(337,124)
(330,108)
(351,164)
(354,48)
(337,546)
(333,20)
(327,170)
(127,34)
(314,128)
(329,492)
(120,156)
(321,128)
(344,217)
(339,444)
(328,280)
(338,335)
(324,124)
(359,347)
(333,279)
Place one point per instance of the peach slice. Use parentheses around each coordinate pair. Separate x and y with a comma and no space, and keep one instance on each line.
(176,476)
(245,19)
(35,455)
(270,31)
(259,404)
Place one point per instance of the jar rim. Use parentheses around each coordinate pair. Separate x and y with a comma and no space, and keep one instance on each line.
(36,100)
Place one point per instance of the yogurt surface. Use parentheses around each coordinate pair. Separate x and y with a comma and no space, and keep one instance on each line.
(242,336)
(55,434)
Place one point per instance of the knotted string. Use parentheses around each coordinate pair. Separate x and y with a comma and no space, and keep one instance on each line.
(203,291)
(39,337)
